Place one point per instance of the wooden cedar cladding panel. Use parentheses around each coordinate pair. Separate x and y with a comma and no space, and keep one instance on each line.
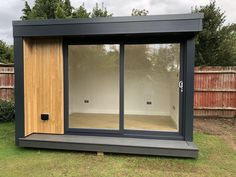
(43,85)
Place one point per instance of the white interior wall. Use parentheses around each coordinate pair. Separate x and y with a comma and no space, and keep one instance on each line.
(140,88)
(100,88)
(174,97)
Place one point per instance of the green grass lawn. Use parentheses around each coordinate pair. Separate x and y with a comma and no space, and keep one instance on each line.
(216,158)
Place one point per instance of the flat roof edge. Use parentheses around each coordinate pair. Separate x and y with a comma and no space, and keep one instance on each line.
(173,17)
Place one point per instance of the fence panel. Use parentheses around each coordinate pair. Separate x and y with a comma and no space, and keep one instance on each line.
(7,82)
(215,91)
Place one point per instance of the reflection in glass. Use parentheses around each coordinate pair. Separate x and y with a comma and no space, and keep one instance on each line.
(93,86)
(151,93)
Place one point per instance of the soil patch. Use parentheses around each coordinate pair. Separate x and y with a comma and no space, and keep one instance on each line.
(218,126)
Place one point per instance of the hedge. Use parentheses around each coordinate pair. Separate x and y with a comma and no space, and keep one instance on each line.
(7,111)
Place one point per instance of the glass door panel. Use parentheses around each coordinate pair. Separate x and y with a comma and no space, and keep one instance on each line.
(151,91)
(93,72)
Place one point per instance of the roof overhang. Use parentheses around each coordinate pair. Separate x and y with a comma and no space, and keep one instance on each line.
(153,24)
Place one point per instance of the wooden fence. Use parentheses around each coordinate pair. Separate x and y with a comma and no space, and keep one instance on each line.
(214,96)
(6,82)
(215,91)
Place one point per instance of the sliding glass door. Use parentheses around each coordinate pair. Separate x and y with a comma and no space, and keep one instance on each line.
(147,91)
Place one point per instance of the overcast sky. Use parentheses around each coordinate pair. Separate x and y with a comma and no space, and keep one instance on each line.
(11,9)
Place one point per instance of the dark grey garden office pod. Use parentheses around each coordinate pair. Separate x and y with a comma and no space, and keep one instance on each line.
(119,84)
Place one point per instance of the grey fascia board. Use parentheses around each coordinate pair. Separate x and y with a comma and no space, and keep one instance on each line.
(110,19)
(110,26)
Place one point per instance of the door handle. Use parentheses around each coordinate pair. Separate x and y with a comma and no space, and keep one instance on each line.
(181,86)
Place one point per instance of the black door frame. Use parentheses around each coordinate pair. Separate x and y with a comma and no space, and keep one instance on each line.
(122,41)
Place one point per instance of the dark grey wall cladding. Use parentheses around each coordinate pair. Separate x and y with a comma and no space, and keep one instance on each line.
(19,88)
(112,25)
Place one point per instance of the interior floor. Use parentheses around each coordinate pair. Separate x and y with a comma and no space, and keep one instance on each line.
(111,121)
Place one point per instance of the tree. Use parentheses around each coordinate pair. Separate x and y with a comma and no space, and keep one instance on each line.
(60,12)
(227,54)
(26,11)
(47,9)
(81,12)
(6,53)
(137,12)
(100,11)
(42,9)
(215,45)
(68,8)
(51,9)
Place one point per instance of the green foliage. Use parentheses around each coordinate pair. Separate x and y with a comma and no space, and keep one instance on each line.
(68,8)
(137,12)
(97,11)
(6,53)
(47,9)
(51,9)
(26,11)
(100,11)
(7,111)
(44,9)
(81,12)
(216,44)
(60,12)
